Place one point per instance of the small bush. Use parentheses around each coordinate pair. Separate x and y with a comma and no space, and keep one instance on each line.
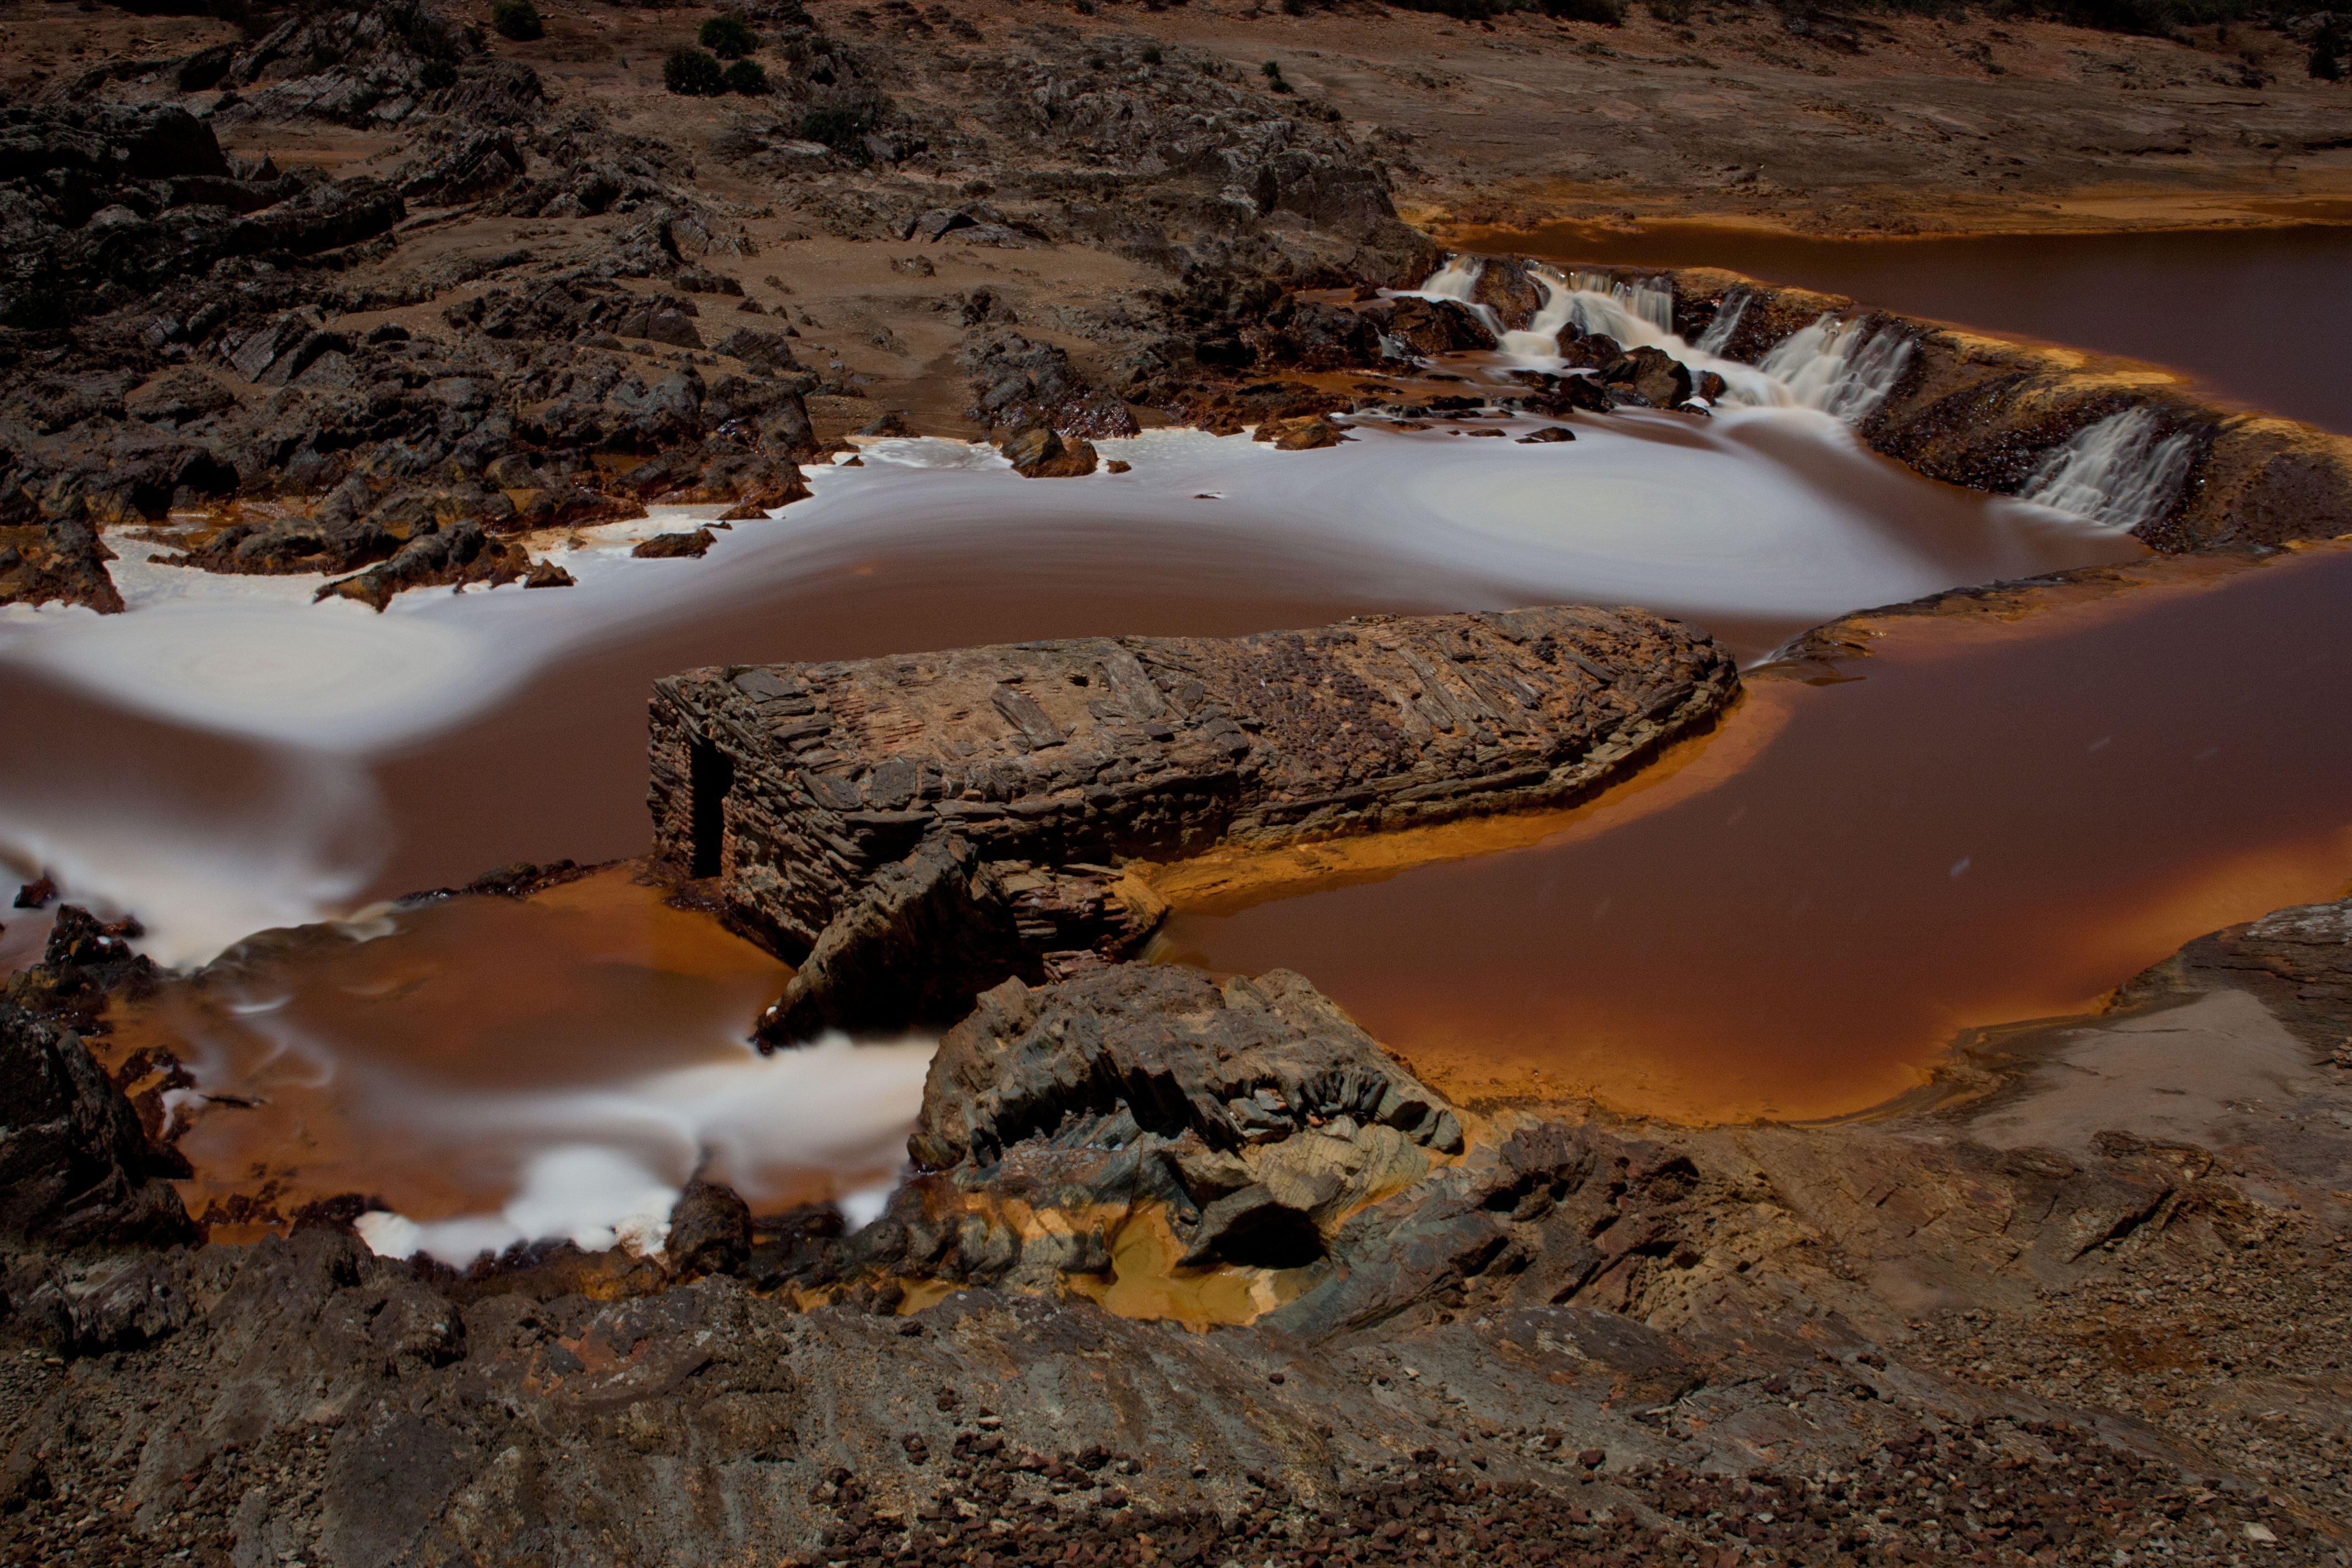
(728,37)
(1272,71)
(2329,48)
(747,78)
(842,130)
(436,75)
(693,73)
(1151,56)
(516,19)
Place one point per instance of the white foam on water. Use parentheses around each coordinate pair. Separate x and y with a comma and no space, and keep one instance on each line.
(1699,520)
(296,850)
(602,1166)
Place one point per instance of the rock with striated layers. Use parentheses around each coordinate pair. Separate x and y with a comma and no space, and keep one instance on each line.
(926,824)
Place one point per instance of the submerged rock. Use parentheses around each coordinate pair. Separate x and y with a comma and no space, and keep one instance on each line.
(670,546)
(1040,454)
(1304,434)
(927,825)
(1661,380)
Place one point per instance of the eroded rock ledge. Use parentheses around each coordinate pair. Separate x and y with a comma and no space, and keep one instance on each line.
(983,802)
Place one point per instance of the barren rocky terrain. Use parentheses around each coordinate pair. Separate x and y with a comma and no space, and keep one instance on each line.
(1190,1271)
(2042,1325)
(387,296)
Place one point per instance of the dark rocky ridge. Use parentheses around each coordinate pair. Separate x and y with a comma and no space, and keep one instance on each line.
(883,813)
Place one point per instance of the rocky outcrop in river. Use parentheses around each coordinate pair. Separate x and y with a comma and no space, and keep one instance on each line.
(927,824)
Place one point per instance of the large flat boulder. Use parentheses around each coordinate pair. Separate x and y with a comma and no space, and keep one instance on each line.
(884,814)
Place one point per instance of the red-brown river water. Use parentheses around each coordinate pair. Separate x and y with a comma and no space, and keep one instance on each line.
(1993,821)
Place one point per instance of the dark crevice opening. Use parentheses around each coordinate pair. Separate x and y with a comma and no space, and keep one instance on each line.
(713,774)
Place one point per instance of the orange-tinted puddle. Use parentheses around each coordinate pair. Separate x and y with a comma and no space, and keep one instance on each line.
(1997,821)
(395,1055)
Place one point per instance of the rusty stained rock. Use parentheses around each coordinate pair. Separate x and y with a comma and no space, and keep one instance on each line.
(1039,453)
(882,813)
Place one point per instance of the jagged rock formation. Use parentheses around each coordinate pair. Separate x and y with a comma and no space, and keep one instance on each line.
(1255,1115)
(886,813)
(76,1168)
(182,330)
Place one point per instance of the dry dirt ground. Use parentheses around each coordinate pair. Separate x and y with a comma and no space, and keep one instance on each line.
(1896,125)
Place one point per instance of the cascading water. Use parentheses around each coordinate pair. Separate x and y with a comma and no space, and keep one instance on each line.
(1538,341)
(1650,300)
(2122,471)
(1842,367)
(1457,280)
(1717,336)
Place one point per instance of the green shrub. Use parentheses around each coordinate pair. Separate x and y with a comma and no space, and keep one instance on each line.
(436,75)
(728,37)
(516,19)
(749,78)
(1151,56)
(1272,71)
(842,130)
(693,73)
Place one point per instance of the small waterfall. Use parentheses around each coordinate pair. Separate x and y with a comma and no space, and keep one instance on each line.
(1537,343)
(1455,281)
(2120,471)
(1717,336)
(1842,368)
(1650,300)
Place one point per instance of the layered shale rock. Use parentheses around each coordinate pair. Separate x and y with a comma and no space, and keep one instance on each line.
(886,814)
